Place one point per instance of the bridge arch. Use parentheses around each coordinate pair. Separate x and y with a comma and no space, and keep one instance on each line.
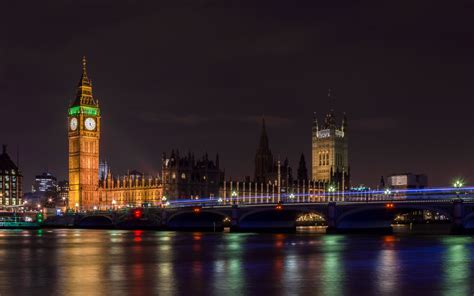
(205,219)
(468,221)
(271,218)
(96,221)
(378,216)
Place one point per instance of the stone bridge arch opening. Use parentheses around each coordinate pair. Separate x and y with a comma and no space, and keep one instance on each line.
(284,219)
(96,222)
(203,220)
(382,217)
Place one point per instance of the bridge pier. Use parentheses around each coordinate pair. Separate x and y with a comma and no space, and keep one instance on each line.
(331,218)
(458,215)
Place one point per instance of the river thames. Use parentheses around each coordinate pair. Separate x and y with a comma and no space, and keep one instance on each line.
(119,262)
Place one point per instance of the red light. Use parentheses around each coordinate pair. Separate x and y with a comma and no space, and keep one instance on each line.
(389,206)
(197,210)
(137,214)
(279,207)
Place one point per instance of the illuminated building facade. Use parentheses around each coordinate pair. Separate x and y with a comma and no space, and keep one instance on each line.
(84,135)
(133,190)
(92,186)
(330,162)
(10,181)
(45,182)
(185,177)
(407,181)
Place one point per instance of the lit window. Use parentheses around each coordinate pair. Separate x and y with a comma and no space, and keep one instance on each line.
(183,176)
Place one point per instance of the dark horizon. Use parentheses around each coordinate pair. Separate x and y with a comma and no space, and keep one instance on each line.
(200,75)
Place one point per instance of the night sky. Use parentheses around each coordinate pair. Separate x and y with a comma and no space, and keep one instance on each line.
(199,75)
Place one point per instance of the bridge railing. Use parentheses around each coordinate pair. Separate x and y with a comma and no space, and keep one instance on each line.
(326,197)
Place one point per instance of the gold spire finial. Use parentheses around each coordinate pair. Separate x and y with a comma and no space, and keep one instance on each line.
(84,63)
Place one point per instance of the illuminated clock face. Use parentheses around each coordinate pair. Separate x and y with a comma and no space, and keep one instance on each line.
(89,124)
(73,124)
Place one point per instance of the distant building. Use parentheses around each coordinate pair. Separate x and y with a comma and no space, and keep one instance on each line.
(10,181)
(407,181)
(63,191)
(133,189)
(330,159)
(185,177)
(45,182)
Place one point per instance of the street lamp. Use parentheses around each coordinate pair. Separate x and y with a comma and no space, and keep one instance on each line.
(113,203)
(458,184)
(292,197)
(331,189)
(234,196)
(387,192)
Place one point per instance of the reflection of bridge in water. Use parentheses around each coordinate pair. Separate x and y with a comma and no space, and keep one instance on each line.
(346,211)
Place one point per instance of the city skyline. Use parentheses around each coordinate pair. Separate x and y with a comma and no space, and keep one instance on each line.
(213,100)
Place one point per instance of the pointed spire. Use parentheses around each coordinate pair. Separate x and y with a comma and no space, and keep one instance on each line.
(315,123)
(84,88)
(84,64)
(344,122)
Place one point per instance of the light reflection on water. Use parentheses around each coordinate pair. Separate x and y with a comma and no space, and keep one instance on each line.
(115,262)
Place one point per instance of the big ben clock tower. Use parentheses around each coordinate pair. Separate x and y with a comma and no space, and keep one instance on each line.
(84,135)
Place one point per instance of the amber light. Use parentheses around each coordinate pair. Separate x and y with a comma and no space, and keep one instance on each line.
(197,210)
(389,206)
(279,207)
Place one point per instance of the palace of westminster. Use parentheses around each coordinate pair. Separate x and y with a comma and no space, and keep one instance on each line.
(184,176)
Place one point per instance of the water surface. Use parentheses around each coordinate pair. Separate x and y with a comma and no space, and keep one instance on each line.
(116,262)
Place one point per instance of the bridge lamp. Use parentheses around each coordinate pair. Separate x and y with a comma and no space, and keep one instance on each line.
(50,199)
(220,200)
(387,191)
(95,208)
(163,199)
(292,196)
(332,188)
(234,194)
(458,184)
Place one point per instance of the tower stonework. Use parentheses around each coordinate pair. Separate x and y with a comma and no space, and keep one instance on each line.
(84,135)
(330,161)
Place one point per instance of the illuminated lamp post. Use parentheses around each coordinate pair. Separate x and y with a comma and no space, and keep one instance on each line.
(234,196)
(331,190)
(77,206)
(292,197)
(458,184)
(163,201)
(114,202)
(387,192)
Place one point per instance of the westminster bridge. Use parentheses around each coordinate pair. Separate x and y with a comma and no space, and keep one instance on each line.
(341,212)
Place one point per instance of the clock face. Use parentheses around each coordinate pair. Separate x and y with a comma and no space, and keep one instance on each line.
(73,124)
(89,123)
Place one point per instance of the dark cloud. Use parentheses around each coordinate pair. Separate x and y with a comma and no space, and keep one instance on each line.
(199,74)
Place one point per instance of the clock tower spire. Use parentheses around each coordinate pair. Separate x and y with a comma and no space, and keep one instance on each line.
(84,135)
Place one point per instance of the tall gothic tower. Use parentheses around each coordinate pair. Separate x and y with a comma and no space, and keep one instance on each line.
(330,162)
(84,134)
(264,165)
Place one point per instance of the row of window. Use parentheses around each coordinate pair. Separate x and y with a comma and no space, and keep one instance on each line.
(324,158)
